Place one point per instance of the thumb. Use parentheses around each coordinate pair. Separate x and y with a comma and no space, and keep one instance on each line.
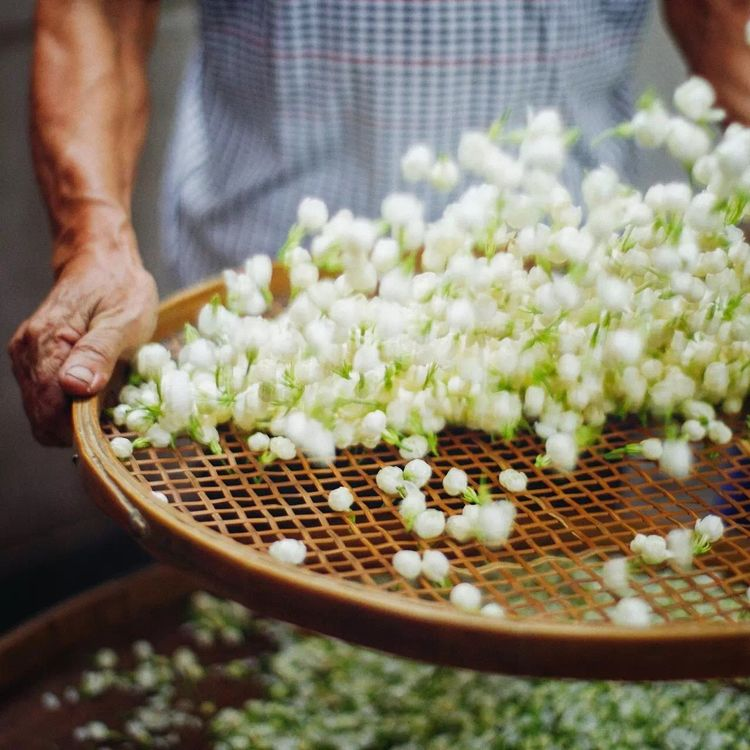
(90,363)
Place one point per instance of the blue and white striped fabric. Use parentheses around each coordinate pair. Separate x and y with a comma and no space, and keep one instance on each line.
(288,98)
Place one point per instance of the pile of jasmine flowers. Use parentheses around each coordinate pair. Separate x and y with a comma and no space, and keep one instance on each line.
(323,694)
(163,685)
(329,695)
(516,309)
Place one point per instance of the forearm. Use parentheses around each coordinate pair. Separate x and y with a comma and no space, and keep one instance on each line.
(89,111)
(711,36)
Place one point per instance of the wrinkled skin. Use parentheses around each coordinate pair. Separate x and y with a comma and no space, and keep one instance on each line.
(98,311)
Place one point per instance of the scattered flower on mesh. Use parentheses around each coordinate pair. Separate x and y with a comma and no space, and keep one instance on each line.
(631,612)
(288,551)
(455,482)
(466,596)
(710,528)
(651,548)
(435,566)
(418,472)
(681,548)
(492,609)
(513,480)
(430,523)
(616,575)
(390,479)
(408,563)
(122,448)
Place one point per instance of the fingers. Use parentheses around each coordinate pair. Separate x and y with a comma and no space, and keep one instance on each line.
(90,363)
(36,356)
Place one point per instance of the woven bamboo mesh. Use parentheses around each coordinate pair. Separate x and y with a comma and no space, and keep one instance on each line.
(567,525)
(549,573)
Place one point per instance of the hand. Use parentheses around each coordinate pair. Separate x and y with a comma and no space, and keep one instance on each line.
(711,35)
(102,306)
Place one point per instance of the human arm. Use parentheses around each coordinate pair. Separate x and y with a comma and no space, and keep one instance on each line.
(711,35)
(89,110)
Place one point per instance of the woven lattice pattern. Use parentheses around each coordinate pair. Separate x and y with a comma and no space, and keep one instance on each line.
(567,525)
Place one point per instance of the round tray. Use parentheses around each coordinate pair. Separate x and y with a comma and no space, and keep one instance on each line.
(225,510)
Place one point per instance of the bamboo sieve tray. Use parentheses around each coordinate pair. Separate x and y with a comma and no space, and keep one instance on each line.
(225,510)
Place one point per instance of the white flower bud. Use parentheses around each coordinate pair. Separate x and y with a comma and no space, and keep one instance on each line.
(158,436)
(651,126)
(290,551)
(492,609)
(716,380)
(615,573)
(260,269)
(460,528)
(303,275)
(150,360)
(390,479)
(455,482)
(711,527)
(178,400)
(429,523)
(121,447)
(418,472)
(466,597)
(340,499)
(676,458)
(474,149)
(545,153)
(533,401)
(687,142)
(495,522)
(138,420)
(695,99)
(407,563)
(562,451)
(312,214)
(283,447)
(414,446)
(569,368)
(680,546)
(631,612)
(417,162)
(693,430)
(374,423)
(615,294)
(512,480)
(600,186)
(444,175)
(120,414)
(385,254)
(652,548)
(199,354)
(412,505)
(435,566)
(625,346)
(460,315)
(399,209)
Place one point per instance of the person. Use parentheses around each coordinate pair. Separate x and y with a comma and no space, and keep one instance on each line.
(287,99)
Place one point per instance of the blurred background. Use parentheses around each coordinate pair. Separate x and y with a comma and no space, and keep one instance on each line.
(53,540)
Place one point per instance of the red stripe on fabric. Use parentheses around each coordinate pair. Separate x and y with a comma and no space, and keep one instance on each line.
(567,55)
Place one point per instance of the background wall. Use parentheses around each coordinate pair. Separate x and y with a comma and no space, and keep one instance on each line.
(52,539)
